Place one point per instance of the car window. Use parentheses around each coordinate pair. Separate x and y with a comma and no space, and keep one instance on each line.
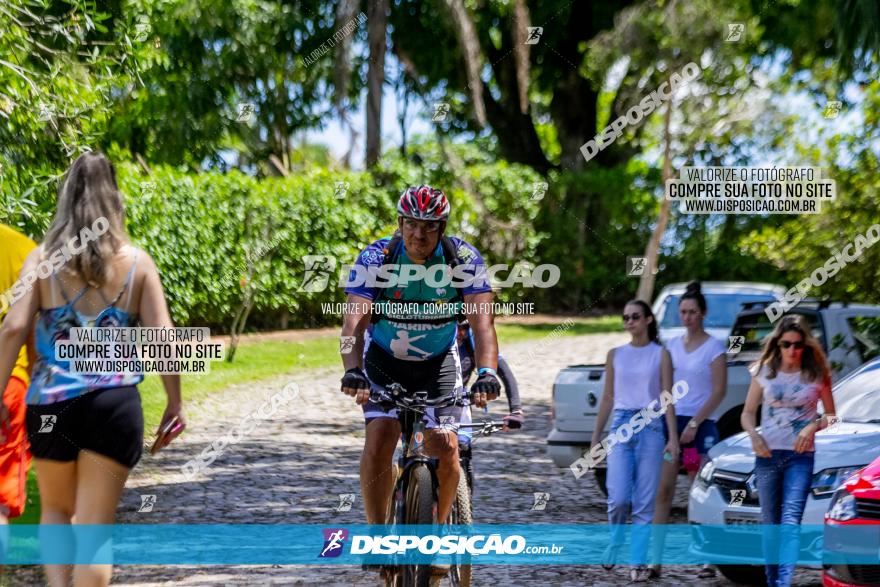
(722,309)
(754,328)
(866,332)
(857,399)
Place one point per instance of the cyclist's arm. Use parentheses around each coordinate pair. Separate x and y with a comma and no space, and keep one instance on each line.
(483,327)
(510,386)
(358,311)
(466,350)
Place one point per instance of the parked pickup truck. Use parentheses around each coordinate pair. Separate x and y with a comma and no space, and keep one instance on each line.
(848,333)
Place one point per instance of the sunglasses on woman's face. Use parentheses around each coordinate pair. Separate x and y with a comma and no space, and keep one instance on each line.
(633,317)
(799,345)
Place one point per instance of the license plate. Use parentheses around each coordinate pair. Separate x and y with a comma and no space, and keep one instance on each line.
(743,522)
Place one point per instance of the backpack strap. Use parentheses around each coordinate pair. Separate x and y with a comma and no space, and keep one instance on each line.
(391,248)
(450,255)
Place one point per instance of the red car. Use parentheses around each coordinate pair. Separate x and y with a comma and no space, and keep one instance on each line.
(852,531)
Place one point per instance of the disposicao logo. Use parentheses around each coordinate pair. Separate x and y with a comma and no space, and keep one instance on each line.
(334,538)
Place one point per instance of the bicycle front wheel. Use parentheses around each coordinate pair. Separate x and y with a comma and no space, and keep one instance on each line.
(419,510)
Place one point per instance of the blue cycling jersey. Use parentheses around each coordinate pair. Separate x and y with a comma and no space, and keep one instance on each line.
(416,300)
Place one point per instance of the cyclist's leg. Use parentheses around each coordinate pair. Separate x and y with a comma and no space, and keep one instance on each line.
(382,434)
(377,478)
(443,445)
(442,437)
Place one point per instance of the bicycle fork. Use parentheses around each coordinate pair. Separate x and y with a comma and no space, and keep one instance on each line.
(414,455)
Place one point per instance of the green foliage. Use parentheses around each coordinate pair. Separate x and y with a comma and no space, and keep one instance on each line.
(209,59)
(272,223)
(801,244)
(596,233)
(60,64)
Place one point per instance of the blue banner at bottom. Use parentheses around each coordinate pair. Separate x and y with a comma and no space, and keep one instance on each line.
(532,544)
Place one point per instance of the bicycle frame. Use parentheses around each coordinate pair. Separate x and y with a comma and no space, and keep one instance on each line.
(412,454)
(410,412)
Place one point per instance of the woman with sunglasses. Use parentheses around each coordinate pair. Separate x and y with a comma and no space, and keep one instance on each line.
(635,374)
(699,360)
(788,380)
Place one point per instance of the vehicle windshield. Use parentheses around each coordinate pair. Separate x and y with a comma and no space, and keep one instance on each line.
(723,309)
(756,327)
(857,399)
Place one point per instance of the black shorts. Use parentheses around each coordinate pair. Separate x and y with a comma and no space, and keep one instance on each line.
(439,376)
(109,422)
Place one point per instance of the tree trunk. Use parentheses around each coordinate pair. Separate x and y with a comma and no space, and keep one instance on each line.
(345,12)
(520,25)
(652,251)
(377,19)
(473,55)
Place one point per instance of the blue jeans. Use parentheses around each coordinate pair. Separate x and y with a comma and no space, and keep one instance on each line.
(783,482)
(633,477)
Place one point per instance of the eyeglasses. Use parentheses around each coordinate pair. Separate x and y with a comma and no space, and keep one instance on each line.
(428,225)
(628,317)
(799,345)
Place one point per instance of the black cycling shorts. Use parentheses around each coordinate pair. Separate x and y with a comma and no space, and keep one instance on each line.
(109,422)
(439,376)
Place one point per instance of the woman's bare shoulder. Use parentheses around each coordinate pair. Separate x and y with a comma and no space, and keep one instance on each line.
(128,253)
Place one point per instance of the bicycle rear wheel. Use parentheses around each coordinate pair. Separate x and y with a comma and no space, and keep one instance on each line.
(419,510)
(462,514)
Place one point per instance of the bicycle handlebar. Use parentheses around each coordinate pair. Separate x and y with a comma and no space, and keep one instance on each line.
(396,395)
(484,428)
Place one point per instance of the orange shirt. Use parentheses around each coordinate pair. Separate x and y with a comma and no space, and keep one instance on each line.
(14,248)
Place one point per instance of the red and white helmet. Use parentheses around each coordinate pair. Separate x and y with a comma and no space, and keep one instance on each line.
(423,203)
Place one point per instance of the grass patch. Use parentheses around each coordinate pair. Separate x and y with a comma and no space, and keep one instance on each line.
(508,333)
(253,362)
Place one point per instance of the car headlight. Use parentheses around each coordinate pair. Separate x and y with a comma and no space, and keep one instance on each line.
(843,506)
(827,480)
(705,475)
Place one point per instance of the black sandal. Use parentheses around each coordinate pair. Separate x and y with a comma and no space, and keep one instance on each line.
(609,557)
(707,572)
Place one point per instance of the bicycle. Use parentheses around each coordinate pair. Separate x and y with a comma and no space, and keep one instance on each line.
(414,500)
(462,507)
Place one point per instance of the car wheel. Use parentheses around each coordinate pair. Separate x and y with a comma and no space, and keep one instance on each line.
(744,574)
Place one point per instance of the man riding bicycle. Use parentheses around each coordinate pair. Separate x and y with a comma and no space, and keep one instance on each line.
(405,332)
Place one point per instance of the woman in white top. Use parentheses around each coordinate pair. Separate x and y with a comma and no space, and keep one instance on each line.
(788,381)
(635,374)
(699,360)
